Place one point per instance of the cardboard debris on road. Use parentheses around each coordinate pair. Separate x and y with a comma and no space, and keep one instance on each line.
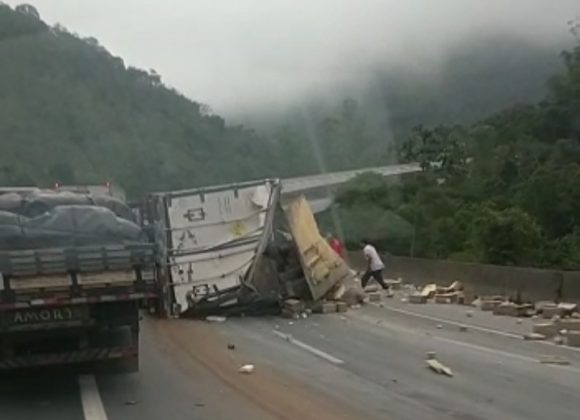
(453,287)
(568,308)
(549,311)
(489,304)
(569,324)
(247,369)
(215,318)
(511,309)
(439,367)
(534,336)
(417,298)
(548,329)
(428,290)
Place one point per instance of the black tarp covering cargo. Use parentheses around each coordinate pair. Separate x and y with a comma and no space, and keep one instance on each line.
(35,203)
(66,226)
(48,219)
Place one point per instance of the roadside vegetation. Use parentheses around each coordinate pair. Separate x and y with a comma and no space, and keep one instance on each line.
(504,190)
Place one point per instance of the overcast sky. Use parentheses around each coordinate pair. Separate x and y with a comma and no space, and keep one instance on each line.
(240,54)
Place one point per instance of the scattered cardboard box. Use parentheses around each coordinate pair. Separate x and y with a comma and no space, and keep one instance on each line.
(439,367)
(569,324)
(417,298)
(489,305)
(547,329)
(325,307)
(549,311)
(534,336)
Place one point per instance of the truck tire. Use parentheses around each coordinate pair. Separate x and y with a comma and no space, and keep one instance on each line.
(128,364)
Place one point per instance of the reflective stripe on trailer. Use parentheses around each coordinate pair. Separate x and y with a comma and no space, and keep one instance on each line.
(76,301)
(79,356)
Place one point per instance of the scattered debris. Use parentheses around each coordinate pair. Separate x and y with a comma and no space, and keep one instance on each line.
(131,402)
(554,360)
(570,324)
(429,290)
(231,346)
(534,336)
(469,314)
(417,298)
(548,329)
(341,307)
(439,326)
(559,340)
(290,323)
(511,309)
(389,293)
(489,305)
(439,367)
(519,321)
(463,328)
(548,311)
(339,292)
(215,318)
(247,369)
(568,308)
(431,355)
(375,296)
(394,284)
(325,307)
(371,288)
(303,315)
(453,287)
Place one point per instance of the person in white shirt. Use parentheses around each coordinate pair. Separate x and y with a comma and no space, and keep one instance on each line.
(375,265)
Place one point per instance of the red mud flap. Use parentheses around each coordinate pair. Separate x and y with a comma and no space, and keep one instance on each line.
(79,356)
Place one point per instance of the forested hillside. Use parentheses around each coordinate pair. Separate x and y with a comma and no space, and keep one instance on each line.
(72,112)
(503,190)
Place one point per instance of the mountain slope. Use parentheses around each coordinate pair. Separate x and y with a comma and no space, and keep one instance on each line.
(72,112)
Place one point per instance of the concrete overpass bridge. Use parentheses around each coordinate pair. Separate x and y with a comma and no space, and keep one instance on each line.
(318,188)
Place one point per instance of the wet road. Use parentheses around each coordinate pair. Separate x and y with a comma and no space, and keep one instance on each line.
(367,363)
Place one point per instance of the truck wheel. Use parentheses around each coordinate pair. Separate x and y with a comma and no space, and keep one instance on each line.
(129,364)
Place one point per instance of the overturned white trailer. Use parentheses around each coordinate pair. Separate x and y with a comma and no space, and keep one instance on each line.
(232,247)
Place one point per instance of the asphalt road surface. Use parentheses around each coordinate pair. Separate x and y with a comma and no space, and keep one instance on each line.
(366,363)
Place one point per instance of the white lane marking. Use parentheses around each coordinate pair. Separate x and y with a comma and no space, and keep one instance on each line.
(91,399)
(503,353)
(469,345)
(450,322)
(313,350)
(474,327)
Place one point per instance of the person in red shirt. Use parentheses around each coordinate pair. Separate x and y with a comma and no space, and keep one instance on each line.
(335,244)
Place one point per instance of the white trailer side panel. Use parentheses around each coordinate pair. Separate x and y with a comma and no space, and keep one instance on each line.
(214,235)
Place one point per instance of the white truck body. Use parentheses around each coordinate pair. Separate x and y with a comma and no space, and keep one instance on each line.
(212,237)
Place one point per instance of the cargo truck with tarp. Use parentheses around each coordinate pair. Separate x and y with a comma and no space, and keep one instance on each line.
(73,271)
